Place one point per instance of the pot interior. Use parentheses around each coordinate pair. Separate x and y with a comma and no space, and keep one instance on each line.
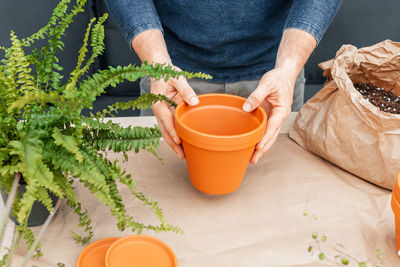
(220,120)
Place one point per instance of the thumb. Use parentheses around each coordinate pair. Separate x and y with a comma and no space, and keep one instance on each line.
(255,99)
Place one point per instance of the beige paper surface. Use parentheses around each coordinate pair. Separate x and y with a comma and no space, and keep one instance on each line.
(341,126)
(260,224)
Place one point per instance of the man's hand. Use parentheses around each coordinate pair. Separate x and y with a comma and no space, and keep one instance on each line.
(274,93)
(177,90)
(150,46)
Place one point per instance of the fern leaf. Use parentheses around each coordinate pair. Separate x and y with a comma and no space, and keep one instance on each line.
(77,72)
(68,142)
(84,221)
(124,139)
(58,12)
(38,97)
(142,102)
(93,87)
(16,68)
(86,171)
(34,170)
(43,197)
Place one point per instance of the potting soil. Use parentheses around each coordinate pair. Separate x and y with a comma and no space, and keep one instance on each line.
(385,100)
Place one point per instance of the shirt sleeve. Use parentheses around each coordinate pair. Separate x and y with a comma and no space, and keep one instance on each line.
(134,16)
(312,16)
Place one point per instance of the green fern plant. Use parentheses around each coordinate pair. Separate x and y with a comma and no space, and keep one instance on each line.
(53,146)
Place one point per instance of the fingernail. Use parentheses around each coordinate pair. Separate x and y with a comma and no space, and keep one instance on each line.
(176,139)
(194,101)
(246,107)
(256,159)
(261,146)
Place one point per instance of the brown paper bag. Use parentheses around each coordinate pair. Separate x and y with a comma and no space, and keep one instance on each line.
(341,126)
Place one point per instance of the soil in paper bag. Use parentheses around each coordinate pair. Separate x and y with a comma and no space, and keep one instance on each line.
(386,101)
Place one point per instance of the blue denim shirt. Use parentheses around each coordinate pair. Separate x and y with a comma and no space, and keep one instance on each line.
(231,40)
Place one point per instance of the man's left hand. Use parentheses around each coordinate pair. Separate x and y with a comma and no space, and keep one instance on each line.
(274,93)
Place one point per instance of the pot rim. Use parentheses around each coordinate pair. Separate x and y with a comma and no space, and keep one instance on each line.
(86,252)
(205,138)
(141,240)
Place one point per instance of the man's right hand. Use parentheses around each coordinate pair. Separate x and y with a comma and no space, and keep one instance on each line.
(178,90)
(150,45)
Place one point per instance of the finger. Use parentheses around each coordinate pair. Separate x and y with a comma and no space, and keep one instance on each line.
(259,153)
(267,107)
(186,92)
(170,140)
(165,120)
(177,148)
(276,118)
(257,97)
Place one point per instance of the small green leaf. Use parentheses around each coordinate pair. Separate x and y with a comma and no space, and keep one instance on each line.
(309,248)
(321,256)
(379,254)
(314,235)
(362,264)
(305,213)
(324,238)
(314,217)
(345,261)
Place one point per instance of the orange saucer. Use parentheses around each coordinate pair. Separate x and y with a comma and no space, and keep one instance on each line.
(140,251)
(94,254)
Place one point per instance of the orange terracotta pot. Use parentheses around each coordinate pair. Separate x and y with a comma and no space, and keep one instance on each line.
(396,210)
(218,139)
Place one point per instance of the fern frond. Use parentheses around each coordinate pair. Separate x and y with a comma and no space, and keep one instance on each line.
(66,185)
(126,180)
(40,97)
(97,44)
(115,204)
(35,172)
(58,12)
(86,172)
(68,142)
(48,69)
(84,221)
(124,139)
(29,238)
(142,102)
(130,222)
(43,197)
(25,203)
(17,68)
(93,87)
(82,55)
